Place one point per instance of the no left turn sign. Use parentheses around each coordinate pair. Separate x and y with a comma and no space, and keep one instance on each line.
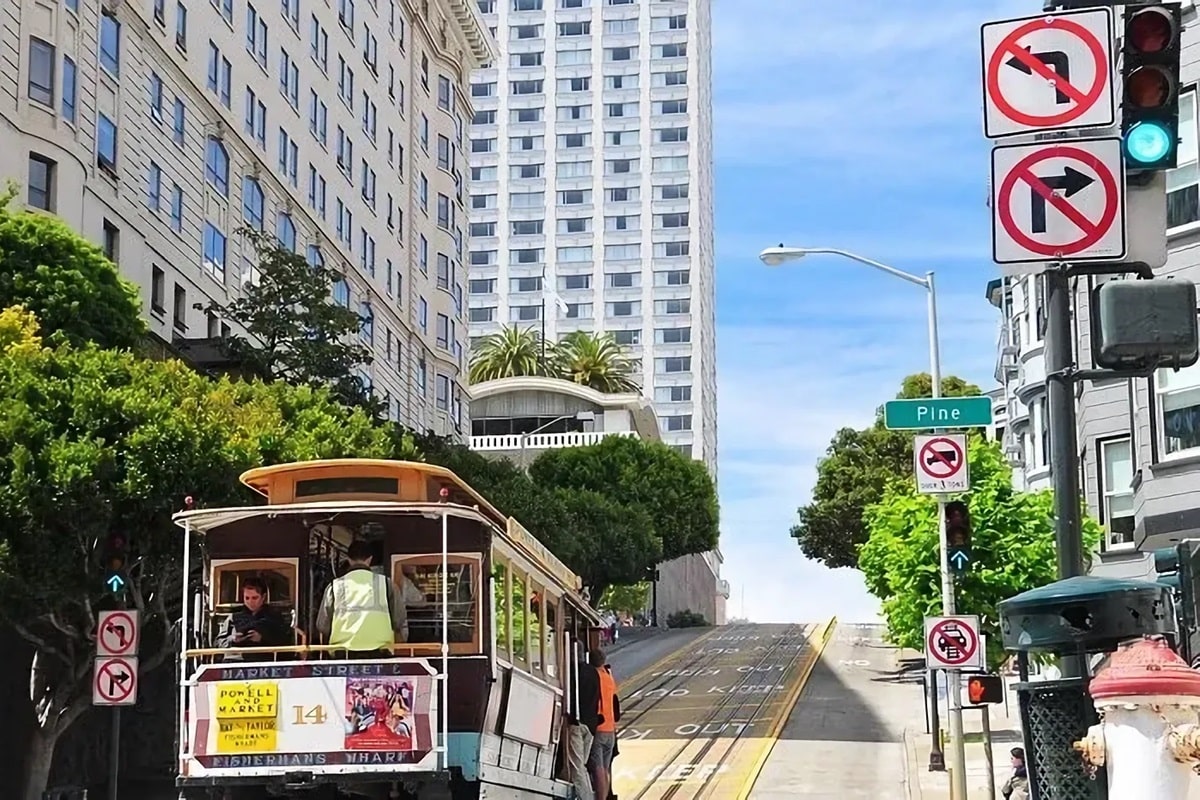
(117,633)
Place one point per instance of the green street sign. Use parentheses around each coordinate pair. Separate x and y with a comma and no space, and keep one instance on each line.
(944,412)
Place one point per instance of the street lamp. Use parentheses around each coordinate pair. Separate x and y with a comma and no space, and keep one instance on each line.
(582,416)
(777,256)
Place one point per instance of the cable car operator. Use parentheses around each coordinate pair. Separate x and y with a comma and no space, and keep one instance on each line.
(362,611)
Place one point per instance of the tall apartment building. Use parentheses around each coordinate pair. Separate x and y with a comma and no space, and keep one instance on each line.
(591,195)
(591,203)
(157,128)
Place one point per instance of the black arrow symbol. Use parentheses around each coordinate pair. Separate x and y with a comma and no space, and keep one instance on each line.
(1052,58)
(1069,183)
(116,679)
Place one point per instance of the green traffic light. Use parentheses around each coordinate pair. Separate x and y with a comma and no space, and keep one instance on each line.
(1148,142)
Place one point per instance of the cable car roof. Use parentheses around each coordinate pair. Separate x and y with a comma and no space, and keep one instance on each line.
(204,520)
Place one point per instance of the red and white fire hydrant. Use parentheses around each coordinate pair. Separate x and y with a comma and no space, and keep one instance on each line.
(1148,736)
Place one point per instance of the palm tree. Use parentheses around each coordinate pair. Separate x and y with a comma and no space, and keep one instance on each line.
(509,353)
(595,360)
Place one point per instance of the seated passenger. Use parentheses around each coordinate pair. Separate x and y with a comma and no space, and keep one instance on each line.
(362,611)
(255,624)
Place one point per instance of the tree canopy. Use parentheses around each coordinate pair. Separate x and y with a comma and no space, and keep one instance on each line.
(677,492)
(75,292)
(1012,549)
(295,330)
(856,469)
(96,441)
(583,357)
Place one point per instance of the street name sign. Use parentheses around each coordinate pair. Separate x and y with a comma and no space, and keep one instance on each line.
(1049,72)
(117,633)
(954,643)
(1058,201)
(940,464)
(115,681)
(942,412)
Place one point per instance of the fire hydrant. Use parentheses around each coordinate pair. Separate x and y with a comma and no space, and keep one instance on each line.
(1148,736)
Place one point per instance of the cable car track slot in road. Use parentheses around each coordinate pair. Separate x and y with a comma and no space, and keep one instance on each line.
(735,708)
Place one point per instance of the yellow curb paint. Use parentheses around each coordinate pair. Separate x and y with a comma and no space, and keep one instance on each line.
(788,706)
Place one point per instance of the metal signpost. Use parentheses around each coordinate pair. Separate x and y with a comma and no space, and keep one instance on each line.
(115,676)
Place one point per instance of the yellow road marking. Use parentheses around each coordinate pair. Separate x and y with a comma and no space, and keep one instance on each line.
(788,707)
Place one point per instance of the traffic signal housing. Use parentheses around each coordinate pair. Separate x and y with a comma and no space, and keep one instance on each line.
(958,536)
(114,557)
(1150,86)
(983,689)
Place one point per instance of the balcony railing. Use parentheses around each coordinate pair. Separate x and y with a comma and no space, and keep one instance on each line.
(543,441)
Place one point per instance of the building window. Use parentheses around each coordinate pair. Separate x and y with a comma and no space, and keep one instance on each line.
(158,289)
(41,72)
(70,79)
(106,144)
(286,233)
(41,182)
(216,166)
(1116,487)
(1179,399)
(253,203)
(111,242)
(1183,182)
(215,245)
(110,43)
(179,308)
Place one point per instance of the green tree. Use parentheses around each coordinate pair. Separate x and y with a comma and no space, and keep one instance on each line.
(628,598)
(856,469)
(1012,548)
(509,353)
(596,360)
(295,329)
(75,292)
(675,491)
(95,441)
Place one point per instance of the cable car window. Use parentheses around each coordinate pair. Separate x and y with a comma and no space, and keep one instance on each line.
(551,638)
(503,620)
(520,628)
(229,586)
(535,627)
(420,582)
(353,485)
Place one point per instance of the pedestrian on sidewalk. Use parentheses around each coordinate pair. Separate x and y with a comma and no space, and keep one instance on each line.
(1017,786)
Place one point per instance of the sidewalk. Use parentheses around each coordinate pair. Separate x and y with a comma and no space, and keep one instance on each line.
(1006,734)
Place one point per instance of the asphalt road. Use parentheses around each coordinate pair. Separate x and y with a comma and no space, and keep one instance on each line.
(696,724)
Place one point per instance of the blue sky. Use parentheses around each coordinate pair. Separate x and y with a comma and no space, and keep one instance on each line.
(864,136)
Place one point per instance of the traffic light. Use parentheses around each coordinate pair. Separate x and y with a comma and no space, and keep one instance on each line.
(958,536)
(1150,86)
(985,689)
(114,555)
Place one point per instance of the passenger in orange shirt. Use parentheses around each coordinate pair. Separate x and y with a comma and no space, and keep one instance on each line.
(605,741)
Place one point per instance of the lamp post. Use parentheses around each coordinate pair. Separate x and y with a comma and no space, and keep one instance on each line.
(582,416)
(776,256)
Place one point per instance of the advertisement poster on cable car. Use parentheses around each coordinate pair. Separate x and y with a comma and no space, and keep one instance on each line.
(252,719)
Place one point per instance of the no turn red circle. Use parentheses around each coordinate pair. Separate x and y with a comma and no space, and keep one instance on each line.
(1082,100)
(952,643)
(115,680)
(942,458)
(117,634)
(1092,230)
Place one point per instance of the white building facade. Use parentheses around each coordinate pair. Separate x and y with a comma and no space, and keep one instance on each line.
(592,199)
(591,195)
(158,128)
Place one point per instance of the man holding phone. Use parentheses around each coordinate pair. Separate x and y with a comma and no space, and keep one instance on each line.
(255,624)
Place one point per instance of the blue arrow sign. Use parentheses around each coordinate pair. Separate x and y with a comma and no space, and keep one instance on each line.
(960,559)
(115,583)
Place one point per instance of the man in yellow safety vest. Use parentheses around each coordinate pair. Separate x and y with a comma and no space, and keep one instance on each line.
(362,610)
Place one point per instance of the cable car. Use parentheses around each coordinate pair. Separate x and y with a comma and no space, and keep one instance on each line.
(470,703)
